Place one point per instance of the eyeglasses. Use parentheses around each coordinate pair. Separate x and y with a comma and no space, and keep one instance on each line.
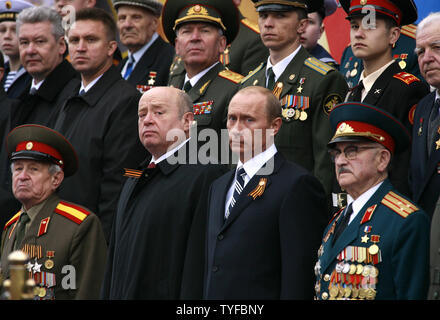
(350,152)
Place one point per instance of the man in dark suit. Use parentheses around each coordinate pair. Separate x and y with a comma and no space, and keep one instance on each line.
(149,57)
(157,246)
(378,246)
(265,219)
(99,118)
(382,81)
(425,153)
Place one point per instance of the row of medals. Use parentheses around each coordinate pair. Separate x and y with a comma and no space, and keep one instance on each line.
(289,113)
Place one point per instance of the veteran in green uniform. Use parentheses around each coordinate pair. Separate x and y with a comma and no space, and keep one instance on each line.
(378,246)
(307,88)
(64,241)
(200,31)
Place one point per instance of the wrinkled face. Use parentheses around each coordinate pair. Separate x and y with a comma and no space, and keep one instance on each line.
(136,26)
(40,52)
(369,42)
(8,39)
(313,31)
(89,47)
(279,30)
(358,175)
(160,120)
(428,52)
(199,44)
(32,182)
(248,125)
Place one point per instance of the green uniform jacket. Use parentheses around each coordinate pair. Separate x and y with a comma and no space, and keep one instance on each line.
(397,269)
(74,237)
(211,96)
(313,87)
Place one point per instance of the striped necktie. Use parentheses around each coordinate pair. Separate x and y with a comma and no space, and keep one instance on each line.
(129,68)
(239,185)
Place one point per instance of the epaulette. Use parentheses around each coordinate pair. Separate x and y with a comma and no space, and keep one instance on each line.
(409,30)
(72,212)
(406,77)
(399,204)
(12,220)
(318,65)
(132,173)
(231,76)
(252,73)
(251,25)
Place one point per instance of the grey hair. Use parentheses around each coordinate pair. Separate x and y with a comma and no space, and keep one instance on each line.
(41,14)
(53,168)
(432,17)
(220,30)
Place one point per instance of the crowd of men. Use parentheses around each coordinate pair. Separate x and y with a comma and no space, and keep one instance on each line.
(226,159)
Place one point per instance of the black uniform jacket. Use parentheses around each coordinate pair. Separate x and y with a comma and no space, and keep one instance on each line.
(157,244)
(398,93)
(102,127)
(157,58)
(266,248)
(425,170)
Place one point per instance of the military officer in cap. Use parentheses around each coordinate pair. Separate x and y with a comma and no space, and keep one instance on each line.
(378,246)
(200,31)
(15,79)
(375,28)
(317,11)
(64,241)
(306,87)
(149,57)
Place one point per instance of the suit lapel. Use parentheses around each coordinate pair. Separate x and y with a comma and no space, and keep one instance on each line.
(381,83)
(139,73)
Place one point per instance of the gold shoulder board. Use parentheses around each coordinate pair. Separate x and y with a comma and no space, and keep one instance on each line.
(251,25)
(72,212)
(398,204)
(409,30)
(318,65)
(231,76)
(252,73)
(12,220)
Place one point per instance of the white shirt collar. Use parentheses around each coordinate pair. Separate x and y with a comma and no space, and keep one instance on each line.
(369,80)
(359,203)
(198,76)
(256,163)
(90,85)
(169,153)
(279,68)
(38,85)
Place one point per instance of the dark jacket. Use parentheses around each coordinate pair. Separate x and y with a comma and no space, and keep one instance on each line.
(267,246)
(21,82)
(102,127)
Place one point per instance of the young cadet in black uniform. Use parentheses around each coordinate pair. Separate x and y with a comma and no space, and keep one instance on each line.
(382,82)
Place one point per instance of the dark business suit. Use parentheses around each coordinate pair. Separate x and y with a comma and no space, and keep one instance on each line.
(399,98)
(157,58)
(425,170)
(266,248)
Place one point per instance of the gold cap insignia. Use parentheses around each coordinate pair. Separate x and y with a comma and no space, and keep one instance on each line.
(8,5)
(364,2)
(29,146)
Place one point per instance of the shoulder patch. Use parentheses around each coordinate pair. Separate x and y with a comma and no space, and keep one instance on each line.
(331,101)
(72,212)
(251,25)
(406,77)
(252,73)
(398,204)
(318,65)
(231,76)
(12,220)
(409,30)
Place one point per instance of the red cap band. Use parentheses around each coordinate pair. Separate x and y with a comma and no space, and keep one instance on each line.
(40,147)
(382,6)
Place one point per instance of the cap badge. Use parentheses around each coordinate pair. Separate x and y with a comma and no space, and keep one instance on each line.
(197,10)
(345,128)
(364,2)
(29,146)
(8,5)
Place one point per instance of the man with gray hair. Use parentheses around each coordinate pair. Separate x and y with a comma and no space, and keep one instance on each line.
(42,48)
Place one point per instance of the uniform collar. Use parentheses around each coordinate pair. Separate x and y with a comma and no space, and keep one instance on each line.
(369,80)
(279,68)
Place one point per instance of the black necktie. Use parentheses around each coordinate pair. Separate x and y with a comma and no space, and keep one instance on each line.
(433,127)
(344,223)
(356,93)
(270,79)
(187,86)
(21,230)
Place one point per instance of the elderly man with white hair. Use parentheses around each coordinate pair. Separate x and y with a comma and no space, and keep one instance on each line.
(425,162)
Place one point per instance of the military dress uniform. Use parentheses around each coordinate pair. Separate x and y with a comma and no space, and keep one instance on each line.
(307,89)
(383,253)
(64,241)
(434,255)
